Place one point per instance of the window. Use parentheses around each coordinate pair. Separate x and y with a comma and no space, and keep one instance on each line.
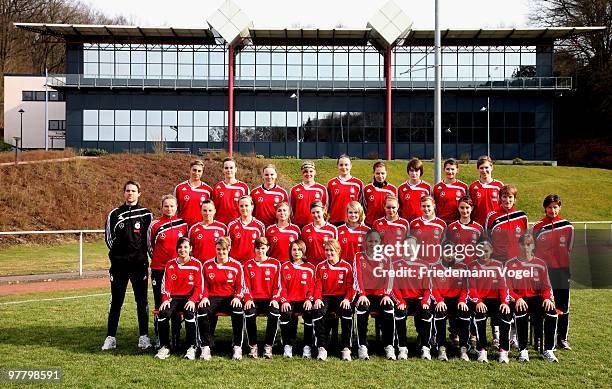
(57,125)
(27,96)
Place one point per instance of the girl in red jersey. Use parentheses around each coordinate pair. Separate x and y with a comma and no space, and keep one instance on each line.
(392,227)
(484,192)
(411,191)
(244,230)
(447,193)
(334,292)
(181,291)
(429,231)
(506,225)
(296,297)
(268,196)
(262,276)
(317,233)
(304,193)
(192,193)
(204,234)
(282,233)
(223,292)
(465,233)
(227,192)
(374,194)
(351,233)
(342,190)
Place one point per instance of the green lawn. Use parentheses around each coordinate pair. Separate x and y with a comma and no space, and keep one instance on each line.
(68,334)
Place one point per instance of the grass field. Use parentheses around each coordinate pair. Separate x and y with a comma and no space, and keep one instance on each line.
(68,334)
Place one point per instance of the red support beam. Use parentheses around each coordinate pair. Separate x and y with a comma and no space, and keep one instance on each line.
(230,102)
(388,119)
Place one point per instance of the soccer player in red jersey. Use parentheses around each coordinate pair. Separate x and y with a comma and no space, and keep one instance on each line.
(223,292)
(465,233)
(244,230)
(351,233)
(334,292)
(262,276)
(304,193)
(374,194)
(411,191)
(296,297)
(282,233)
(428,230)
(192,193)
(181,290)
(227,192)
(392,227)
(342,190)
(533,298)
(554,242)
(268,196)
(317,233)
(485,191)
(447,193)
(506,225)
(204,234)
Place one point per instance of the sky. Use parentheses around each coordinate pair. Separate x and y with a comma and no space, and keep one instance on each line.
(321,13)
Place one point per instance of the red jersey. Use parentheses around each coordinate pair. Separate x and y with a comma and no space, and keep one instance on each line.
(262,279)
(429,235)
(280,238)
(445,285)
(374,201)
(265,203)
(203,238)
(301,198)
(190,200)
(414,282)
(485,198)
(554,241)
(334,280)
(341,192)
(226,198)
(392,231)
(466,235)
(297,282)
(447,198)
(183,280)
(367,275)
(161,240)
(410,199)
(490,282)
(315,237)
(351,241)
(243,238)
(528,286)
(504,229)
(223,279)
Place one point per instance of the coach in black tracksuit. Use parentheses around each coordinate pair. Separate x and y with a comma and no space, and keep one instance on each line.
(126,238)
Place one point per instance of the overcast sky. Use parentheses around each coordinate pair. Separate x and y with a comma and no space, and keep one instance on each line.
(321,13)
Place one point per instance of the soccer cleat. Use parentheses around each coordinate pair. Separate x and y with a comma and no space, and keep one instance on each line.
(523,355)
(503,357)
(322,355)
(163,353)
(109,343)
(191,353)
(237,355)
(205,353)
(390,352)
(403,353)
(482,356)
(254,351)
(307,352)
(144,342)
(425,353)
(267,352)
(549,355)
(288,351)
(362,352)
(346,354)
(442,354)
(463,355)
(564,344)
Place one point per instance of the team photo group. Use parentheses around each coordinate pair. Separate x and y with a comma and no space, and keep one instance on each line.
(315,251)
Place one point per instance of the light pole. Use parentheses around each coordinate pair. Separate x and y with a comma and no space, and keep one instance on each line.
(296,97)
(437,99)
(488,110)
(21,111)
(175,128)
(16,149)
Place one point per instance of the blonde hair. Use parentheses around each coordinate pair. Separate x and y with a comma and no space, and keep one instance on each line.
(301,246)
(355,206)
(168,197)
(224,241)
(333,244)
(246,197)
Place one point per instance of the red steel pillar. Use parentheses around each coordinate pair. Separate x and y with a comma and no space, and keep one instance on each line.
(388,118)
(230,102)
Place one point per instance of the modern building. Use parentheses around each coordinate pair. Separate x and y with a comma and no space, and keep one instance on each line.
(366,92)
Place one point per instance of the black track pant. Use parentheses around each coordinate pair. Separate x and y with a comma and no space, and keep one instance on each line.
(460,320)
(385,313)
(157,277)
(262,306)
(321,318)
(177,306)
(536,312)
(559,279)
(480,323)
(422,323)
(289,323)
(139,277)
(220,304)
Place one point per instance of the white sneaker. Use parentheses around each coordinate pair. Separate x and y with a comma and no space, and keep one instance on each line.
(307,352)
(254,351)
(288,351)
(482,356)
(463,355)
(442,354)
(425,353)
(267,352)
(503,357)
(346,354)
(109,343)
(144,342)
(390,352)
(237,355)
(549,355)
(190,354)
(205,353)
(163,353)
(362,352)
(402,353)
(322,355)
(523,356)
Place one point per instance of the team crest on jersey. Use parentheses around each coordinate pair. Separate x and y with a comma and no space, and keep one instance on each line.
(317,195)
(518,230)
(336,191)
(202,198)
(300,196)
(275,239)
(494,194)
(458,194)
(211,275)
(267,273)
(191,277)
(238,235)
(474,236)
(199,236)
(418,232)
(216,235)
(121,225)
(186,197)
(137,225)
(180,234)
(562,239)
(252,274)
(162,236)
(352,190)
(310,239)
(398,232)
(254,235)
(360,239)
(230,275)
(174,277)
(442,194)
(276,199)
(344,240)
(221,194)
(341,276)
(324,276)
(478,194)
(288,276)
(304,276)
(457,235)
(407,197)
(237,194)
(372,198)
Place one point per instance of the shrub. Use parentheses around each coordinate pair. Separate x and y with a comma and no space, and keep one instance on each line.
(518,161)
(90,152)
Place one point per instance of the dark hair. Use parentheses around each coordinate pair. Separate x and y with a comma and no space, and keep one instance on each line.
(182,240)
(130,182)
(467,200)
(415,164)
(508,190)
(206,202)
(524,237)
(482,159)
(551,198)
(343,156)
(378,164)
(261,241)
(451,161)
(229,159)
(197,162)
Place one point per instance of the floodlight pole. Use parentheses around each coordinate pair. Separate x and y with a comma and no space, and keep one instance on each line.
(437,101)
